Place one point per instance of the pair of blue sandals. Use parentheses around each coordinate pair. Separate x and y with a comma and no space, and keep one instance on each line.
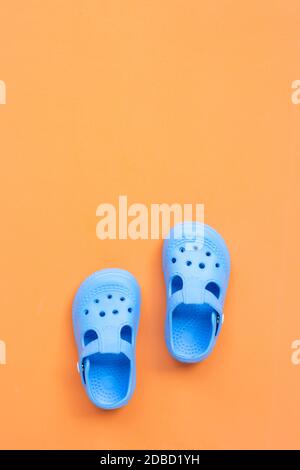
(106,312)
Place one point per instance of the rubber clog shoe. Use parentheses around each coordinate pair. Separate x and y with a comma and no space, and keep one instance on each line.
(106,313)
(196,266)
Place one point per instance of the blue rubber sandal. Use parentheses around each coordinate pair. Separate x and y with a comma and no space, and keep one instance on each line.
(106,313)
(196,265)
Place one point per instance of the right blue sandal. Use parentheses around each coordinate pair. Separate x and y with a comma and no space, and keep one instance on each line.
(196,266)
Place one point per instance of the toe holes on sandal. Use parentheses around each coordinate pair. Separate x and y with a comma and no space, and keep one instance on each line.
(96,301)
(130,310)
(122,299)
(208,253)
(86,312)
(176,284)
(201,265)
(89,336)
(173,260)
(213,288)
(102,314)
(109,296)
(195,247)
(115,312)
(188,263)
(182,249)
(217,265)
(126,333)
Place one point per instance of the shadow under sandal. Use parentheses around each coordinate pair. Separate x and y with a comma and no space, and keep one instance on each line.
(196,267)
(106,313)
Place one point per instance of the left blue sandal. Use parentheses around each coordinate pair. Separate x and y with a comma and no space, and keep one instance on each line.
(106,313)
(196,266)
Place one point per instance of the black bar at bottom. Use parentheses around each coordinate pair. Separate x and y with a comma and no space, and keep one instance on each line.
(142,458)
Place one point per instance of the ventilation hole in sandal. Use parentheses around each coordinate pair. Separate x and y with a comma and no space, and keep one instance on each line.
(188,263)
(201,265)
(115,312)
(217,265)
(102,314)
(96,301)
(213,288)
(89,336)
(195,247)
(130,310)
(122,299)
(126,333)
(208,253)
(109,296)
(86,312)
(173,260)
(176,284)
(182,249)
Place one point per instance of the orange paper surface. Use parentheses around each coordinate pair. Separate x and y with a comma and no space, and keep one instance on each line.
(162,101)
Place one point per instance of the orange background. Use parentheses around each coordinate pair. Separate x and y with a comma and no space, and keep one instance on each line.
(163,101)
